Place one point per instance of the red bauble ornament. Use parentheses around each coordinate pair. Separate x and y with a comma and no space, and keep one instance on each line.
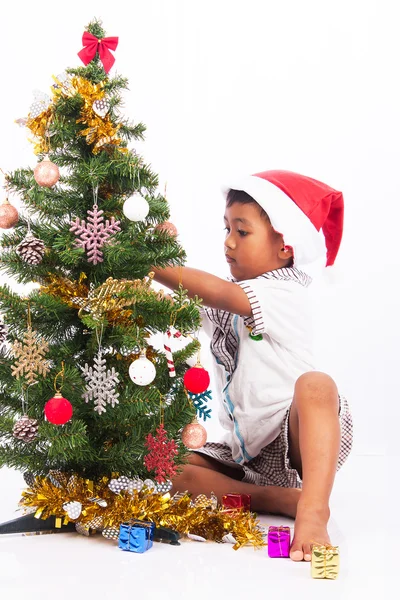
(196,379)
(168,227)
(8,215)
(58,410)
(194,436)
(46,173)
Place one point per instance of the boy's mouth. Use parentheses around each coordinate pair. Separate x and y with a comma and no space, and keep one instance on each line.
(229,259)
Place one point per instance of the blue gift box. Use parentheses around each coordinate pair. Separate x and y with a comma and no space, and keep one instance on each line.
(136,536)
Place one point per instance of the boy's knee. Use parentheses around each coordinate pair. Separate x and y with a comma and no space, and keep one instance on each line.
(186,477)
(317,386)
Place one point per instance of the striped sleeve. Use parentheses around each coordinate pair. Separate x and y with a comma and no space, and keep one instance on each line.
(280,309)
(256,320)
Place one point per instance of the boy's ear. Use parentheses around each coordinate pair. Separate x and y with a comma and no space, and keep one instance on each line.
(285,252)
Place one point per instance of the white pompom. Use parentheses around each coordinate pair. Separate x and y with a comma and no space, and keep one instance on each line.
(136,208)
(142,371)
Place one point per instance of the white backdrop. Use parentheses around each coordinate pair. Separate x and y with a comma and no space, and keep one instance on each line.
(230,86)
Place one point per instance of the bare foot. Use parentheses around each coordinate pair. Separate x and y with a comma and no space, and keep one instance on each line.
(310,527)
(277,500)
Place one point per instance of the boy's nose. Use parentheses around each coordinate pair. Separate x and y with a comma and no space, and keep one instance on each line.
(229,242)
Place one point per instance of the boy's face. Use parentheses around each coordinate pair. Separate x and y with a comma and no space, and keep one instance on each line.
(252,246)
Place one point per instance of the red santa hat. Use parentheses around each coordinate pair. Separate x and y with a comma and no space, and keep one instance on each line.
(307,212)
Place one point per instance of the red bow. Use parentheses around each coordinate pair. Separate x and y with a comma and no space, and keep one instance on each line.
(93,44)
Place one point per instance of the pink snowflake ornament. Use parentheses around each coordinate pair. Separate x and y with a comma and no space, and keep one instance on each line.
(94,234)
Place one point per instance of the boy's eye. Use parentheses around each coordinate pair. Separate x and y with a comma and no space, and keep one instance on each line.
(240,231)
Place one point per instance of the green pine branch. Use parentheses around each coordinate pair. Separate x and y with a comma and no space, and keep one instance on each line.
(90,444)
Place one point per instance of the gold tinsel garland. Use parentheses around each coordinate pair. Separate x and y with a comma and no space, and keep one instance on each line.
(202,518)
(105,301)
(99,132)
(39,127)
(65,289)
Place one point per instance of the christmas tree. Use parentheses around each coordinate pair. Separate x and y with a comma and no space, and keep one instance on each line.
(92,413)
(92,227)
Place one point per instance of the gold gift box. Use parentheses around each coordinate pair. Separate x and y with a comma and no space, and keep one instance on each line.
(324,562)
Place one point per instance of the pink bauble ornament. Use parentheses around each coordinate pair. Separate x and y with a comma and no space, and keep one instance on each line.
(58,410)
(8,215)
(168,227)
(194,436)
(196,379)
(46,173)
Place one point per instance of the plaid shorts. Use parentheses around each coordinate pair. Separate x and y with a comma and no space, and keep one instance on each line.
(272,465)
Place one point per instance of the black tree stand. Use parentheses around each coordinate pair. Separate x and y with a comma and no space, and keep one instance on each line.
(28,524)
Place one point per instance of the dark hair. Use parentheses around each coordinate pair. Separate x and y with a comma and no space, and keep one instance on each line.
(241,197)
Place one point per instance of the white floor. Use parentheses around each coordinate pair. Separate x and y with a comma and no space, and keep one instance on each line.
(364,524)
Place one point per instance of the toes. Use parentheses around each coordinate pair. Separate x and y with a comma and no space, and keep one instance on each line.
(296,552)
(299,552)
(307,552)
(296,555)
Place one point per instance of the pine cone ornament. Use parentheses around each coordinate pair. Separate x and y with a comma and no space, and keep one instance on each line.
(3,333)
(26,429)
(31,249)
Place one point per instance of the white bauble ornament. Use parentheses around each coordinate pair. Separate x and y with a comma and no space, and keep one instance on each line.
(142,371)
(136,208)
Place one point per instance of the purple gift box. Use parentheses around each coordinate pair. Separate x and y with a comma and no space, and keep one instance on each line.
(278,542)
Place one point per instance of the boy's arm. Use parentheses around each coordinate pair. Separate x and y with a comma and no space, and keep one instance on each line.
(214,291)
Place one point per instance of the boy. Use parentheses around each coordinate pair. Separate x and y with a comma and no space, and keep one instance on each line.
(288,430)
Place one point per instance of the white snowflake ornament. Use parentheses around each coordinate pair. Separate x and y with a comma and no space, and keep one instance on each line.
(100,384)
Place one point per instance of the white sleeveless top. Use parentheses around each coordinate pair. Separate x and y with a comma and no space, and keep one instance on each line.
(255,379)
